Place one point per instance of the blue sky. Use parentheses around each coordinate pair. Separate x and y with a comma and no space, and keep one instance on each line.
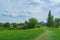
(21,10)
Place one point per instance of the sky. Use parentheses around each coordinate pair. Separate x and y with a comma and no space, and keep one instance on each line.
(21,10)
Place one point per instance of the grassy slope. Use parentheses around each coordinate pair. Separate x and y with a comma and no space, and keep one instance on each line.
(19,34)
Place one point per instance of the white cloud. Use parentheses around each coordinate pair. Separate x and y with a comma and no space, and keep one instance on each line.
(56,12)
(55,2)
(32,8)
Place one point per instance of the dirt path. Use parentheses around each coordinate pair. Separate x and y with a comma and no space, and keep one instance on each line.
(40,37)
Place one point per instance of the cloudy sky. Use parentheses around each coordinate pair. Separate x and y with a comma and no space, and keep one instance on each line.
(21,10)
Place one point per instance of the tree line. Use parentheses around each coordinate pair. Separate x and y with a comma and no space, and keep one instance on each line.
(33,23)
(52,22)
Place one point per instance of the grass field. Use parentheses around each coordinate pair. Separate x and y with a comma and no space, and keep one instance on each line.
(29,34)
(52,35)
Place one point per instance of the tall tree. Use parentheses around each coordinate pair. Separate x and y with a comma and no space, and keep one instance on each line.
(50,20)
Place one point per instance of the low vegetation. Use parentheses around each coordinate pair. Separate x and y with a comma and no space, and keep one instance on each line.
(29,34)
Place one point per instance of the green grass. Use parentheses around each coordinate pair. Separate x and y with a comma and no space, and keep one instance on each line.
(53,35)
(56,34)
(29,34)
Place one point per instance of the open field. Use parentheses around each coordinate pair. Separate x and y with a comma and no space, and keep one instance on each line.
(29,34)
(52,35)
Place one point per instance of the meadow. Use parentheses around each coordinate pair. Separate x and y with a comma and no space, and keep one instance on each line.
(29,34)
(52,35)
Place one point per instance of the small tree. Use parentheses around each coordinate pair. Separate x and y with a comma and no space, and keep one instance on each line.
(57,22)
(14,25)
(32,23)
(26,25)
(1,24)
(7,24)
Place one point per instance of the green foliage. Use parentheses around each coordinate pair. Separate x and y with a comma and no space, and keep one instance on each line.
(14,25)
(50,20)
(32,23)
(1,23)
(7,24)
(57,22)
